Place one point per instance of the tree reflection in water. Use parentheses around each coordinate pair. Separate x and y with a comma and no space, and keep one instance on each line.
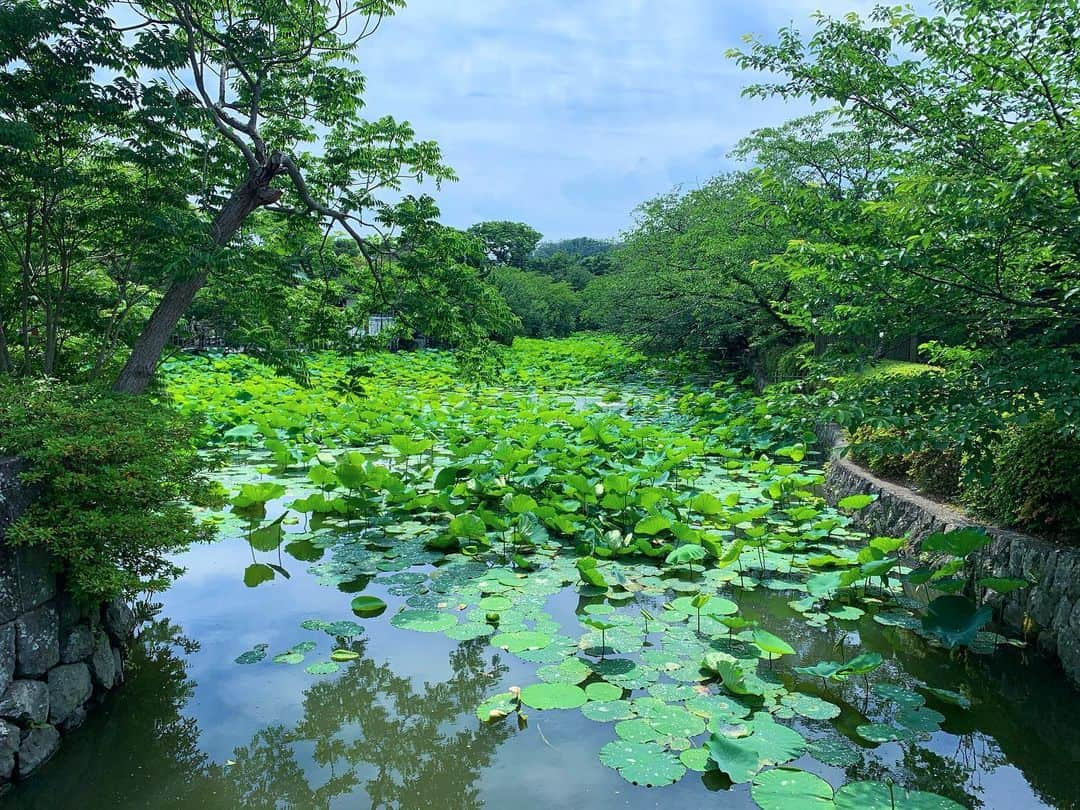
(367,734)
(372,729)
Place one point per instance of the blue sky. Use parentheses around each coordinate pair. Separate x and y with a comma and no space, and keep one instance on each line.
(568,113)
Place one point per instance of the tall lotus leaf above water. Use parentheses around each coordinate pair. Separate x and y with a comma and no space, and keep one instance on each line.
(268,537)
(368,606)
(863,664)
(322,476)
(652,525)
(257,494)
(1003,585)
(854,503)
(958,542)
(467,526)
(520,503)
(772,644)
(350,470)
(737,757)
(685,555)
(588,570)
(955,620)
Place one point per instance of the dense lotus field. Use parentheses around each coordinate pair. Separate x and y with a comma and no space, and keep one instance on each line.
(665,504)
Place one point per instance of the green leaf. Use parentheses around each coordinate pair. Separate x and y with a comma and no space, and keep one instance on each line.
(368,606)
(553,696)
(853,503)
(879,796)
(646,764)
(652,525)
(424,621)
(685,554)
(257,573)
(738,757)
(958,542)
(602,691)
(773,645)
(522,640)
(1003,585)
(955,619)
(791,789)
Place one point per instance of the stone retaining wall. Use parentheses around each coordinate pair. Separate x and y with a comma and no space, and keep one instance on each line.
(56,659)
(1047,612)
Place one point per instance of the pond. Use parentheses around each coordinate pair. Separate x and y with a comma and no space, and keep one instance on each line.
(256,684)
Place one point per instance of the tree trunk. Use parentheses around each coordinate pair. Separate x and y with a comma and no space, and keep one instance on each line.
(139,369)
(5,358)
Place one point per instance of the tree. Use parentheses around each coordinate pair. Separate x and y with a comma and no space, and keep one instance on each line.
(982,217)
(692,275)
(507,243)
(580,247)
(81,203)
(257,84)
(545,307)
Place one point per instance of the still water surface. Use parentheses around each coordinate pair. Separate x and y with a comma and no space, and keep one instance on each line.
(396,728)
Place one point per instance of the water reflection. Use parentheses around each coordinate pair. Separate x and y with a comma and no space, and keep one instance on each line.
(368,734)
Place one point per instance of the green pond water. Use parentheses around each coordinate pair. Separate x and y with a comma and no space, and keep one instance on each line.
(396,727)
(254,685)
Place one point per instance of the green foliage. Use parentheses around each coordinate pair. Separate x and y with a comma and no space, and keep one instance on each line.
(112,477)
(546,308)
(1034,483)
(507,243)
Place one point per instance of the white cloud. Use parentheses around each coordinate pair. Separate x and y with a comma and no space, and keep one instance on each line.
(565,114)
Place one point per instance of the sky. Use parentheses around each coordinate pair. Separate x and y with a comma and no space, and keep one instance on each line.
(566,114)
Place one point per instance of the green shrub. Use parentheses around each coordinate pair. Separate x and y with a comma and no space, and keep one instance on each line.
(112,474)
(795,361)
(881,449)
(935,471)
(1035,481)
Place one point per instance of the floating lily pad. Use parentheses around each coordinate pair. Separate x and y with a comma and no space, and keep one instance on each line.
(791,789)
(553,696)
(601,692)
(695,759)
(672,692)
(646,764)
(675,721)
(899,695)
(921,721)
(325,668)
(469,630)
(496,707)
(834,752)
(522,640)
(496,603)
(882,733)
(810,706)
(570,670)
(895,618)
(289,658)
(637,729)
(879,796)
(948,696)
(607,711)
(254,655)
(425,621)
